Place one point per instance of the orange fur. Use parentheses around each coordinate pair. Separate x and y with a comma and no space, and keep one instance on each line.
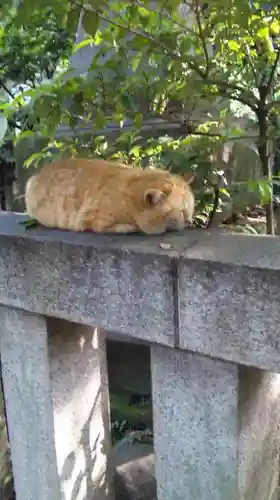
(103,196)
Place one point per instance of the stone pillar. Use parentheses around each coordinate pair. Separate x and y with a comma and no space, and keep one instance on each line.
(55,387)
(27,392)
(81,408)
(215,428)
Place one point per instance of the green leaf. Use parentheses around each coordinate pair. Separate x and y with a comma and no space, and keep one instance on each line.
(34,158)
(23,12)
(91,22)
(83,43)
(135,62)
(100,120)
(233,45)
(96,4)
(138,120)
(135,151)
(138,42)
(73,19)
(252,186)
(144,12)
(29,224)
(265,191)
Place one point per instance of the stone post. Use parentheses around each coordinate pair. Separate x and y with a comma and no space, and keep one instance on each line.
(78,368)
(27,392)
(216,428)
(55,389)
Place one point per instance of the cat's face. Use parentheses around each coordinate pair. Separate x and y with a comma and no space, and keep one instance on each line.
(163,203)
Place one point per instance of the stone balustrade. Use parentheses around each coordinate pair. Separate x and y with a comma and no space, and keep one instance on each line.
(207,303)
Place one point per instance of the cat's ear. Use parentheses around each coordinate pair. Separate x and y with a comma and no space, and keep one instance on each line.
(153,197)
(189,177)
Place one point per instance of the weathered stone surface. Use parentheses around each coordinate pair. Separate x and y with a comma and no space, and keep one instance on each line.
(229,299)
(241,250)
(129,284)
(27,390)
(58,408)
(80,397)
(118,283)
(216,422)
(259,439)
(215,428)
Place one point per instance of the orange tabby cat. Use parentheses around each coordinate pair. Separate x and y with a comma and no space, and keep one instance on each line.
(103,196)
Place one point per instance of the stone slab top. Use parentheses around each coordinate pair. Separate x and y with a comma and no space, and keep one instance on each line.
(210,292)
(193,244)
(134,243)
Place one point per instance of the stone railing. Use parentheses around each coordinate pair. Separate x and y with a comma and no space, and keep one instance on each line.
(209,306)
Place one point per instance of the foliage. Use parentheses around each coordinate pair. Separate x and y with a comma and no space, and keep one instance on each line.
(32,48)
(129,412)
(163,60)
(31,52)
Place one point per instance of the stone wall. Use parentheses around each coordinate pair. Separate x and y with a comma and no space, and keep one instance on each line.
(206,303)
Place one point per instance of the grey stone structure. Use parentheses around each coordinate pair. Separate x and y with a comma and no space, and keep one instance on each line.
(207,303)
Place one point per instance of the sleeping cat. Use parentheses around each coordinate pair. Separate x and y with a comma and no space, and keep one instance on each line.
(101,196)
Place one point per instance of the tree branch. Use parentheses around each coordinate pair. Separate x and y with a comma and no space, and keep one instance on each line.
(14,124)
(215,206)
(145,36)
(252,64)
(272,74)
(4,87)
(201,36)
(248,101)
(184,27)
(32,83)
(226,91)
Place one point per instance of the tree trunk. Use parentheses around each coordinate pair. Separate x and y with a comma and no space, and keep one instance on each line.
(265,158)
